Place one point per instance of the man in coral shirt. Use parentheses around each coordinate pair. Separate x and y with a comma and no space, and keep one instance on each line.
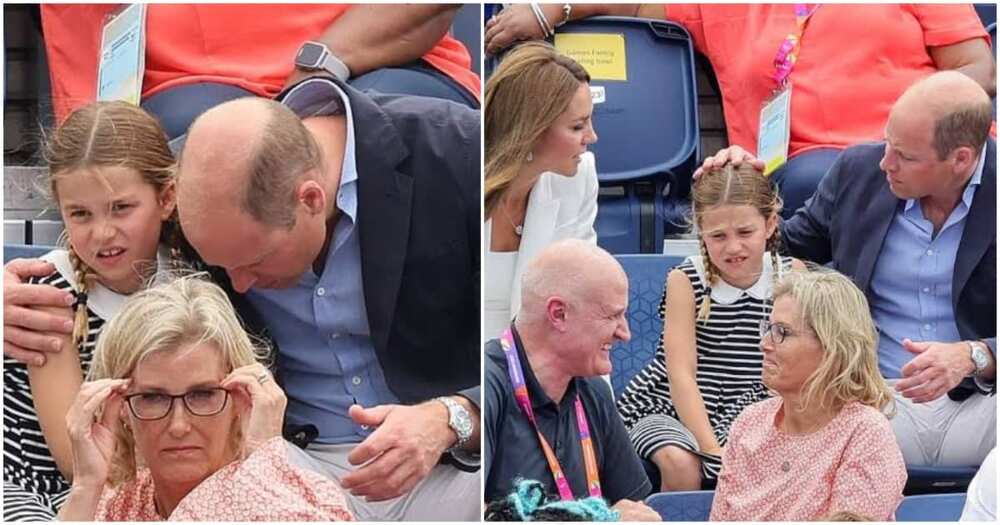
(200,55)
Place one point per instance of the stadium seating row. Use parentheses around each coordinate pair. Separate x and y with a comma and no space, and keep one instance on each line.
(696,506)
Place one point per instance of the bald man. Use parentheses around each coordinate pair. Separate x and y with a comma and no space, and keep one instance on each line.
(574,296)
(346,225)
(913,221)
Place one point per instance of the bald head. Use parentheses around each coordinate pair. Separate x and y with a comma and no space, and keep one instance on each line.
(571,269)
(955,106)
(250,153)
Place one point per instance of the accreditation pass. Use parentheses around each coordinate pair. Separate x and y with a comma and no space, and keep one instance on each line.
(123,55)
(774,133)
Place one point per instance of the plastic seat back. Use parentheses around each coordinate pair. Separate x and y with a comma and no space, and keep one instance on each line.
(647,275)
(695,505)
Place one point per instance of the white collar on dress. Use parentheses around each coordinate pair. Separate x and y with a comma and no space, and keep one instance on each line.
(103,301)
(725,293)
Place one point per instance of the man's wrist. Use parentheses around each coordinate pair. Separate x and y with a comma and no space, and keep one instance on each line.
(978,358)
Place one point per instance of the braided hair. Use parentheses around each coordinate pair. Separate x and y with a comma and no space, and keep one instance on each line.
(529,502)
(101,135)
(738,186)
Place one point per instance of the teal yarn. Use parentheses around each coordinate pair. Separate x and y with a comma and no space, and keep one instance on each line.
(530,502)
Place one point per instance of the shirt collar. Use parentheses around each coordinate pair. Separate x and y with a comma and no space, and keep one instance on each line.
(725,293)
(536,394)
(317,97)
(970,188)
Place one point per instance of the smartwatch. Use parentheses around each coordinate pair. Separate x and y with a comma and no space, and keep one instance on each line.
(315,56)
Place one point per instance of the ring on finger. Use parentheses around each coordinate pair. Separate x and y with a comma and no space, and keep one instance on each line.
(262,378)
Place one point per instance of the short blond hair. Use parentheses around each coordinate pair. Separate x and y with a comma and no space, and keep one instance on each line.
(836,310)
(189,311)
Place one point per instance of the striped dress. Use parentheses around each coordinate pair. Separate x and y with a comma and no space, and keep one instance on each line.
(728,371)
(33,487)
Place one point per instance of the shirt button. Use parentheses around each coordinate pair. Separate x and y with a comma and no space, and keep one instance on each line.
(321,291)
(930,252)
(927,327)
(926,289)
(356,380)
(334,336)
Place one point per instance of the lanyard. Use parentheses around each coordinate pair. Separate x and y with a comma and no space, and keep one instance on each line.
(788,51)
(521,394)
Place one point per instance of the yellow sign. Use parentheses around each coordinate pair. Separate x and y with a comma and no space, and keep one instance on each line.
(602,55)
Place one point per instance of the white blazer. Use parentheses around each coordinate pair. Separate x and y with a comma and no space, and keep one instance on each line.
(559,207)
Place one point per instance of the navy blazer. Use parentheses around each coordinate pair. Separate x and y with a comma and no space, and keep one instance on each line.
(418,162)
(846,221)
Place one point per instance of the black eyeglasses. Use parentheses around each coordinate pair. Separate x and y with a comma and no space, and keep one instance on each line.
(201,402)
(778,332)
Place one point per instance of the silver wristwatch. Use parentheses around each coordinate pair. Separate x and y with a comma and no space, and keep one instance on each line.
(315,56)
(980,356)
(458,420)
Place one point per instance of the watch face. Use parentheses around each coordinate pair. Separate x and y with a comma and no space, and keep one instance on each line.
(309,55)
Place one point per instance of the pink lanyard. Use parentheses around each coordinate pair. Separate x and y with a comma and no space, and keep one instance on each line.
(516,374)
(788,51)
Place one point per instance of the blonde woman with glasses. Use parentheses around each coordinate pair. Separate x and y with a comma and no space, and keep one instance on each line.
(178,420)
(823,444)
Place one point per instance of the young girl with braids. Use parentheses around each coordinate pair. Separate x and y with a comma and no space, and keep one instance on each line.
(679,408)
(111,175)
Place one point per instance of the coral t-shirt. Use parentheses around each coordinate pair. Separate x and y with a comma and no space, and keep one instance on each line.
(251,46)
(854,62)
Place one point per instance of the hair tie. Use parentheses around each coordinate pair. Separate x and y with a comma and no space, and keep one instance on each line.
(81,300)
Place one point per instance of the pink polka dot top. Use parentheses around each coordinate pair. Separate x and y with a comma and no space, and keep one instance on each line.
(263,487)
(851,464)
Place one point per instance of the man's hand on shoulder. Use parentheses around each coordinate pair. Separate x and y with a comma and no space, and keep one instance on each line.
(635,511)
(30,331)
(936,369)
(405,446)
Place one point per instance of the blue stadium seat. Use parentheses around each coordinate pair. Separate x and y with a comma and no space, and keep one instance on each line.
(647,129)
(695,505)
(15,251)
(648,132)
(465,28)
(931,507)
(987,13)
(924,480)
(647,275)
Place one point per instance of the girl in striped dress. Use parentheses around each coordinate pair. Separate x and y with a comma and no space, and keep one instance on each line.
(679,408)
(111,176)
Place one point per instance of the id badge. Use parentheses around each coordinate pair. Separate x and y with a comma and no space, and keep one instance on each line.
(774,134)
(122,62)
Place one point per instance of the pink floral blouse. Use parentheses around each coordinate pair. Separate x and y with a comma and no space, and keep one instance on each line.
(263,487)
(851,464)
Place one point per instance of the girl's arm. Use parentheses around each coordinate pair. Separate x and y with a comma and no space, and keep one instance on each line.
(682,360)
(54,386)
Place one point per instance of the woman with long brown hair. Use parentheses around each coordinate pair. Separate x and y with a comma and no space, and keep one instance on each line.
(541,183)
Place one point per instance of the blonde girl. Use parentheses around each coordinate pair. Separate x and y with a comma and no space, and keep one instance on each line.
(679,408)
(111,176)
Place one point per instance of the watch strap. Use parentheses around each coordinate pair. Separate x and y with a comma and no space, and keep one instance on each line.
(454,408)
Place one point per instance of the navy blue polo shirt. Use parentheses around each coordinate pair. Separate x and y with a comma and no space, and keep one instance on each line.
(511,448)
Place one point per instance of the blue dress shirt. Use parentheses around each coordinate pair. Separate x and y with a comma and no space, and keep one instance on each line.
(326,359)
(912,281)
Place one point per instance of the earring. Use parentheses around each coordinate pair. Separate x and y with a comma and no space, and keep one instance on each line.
(530,156)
